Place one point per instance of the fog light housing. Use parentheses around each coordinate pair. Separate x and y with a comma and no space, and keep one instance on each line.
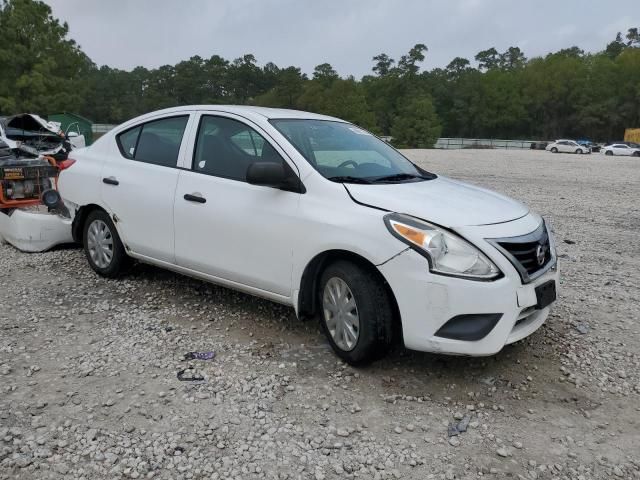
(470,327)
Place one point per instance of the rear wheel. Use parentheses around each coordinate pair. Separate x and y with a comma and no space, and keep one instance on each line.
(356,312)
(554,150)
(102,245)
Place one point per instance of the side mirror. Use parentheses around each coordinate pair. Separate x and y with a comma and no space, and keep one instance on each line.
(269,174)
(275,175)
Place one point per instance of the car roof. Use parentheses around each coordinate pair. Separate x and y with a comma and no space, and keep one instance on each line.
(250,110)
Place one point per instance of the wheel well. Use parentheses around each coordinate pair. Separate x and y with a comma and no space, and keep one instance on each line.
(78,221)
(307,298)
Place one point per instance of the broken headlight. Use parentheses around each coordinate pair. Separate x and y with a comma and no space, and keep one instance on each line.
(447,253)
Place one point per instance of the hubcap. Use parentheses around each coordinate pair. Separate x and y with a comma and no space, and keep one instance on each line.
(341,313)
(100,243)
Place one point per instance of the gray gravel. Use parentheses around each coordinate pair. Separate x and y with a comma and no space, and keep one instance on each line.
(88,366)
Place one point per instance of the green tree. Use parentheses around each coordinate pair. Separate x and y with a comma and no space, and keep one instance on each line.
(488,59)
(244,79)
(325,73)
(512,58)
(408,64)
(42,69)
(457,67)
(616,47)
(383,64)
(417,124)
(633,37)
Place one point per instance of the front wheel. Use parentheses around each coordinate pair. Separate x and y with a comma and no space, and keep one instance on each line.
(579,151)
(554,150)
(356,312)
(102,245)
(608,152)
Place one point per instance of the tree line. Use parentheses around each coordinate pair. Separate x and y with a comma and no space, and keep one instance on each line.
(568,93)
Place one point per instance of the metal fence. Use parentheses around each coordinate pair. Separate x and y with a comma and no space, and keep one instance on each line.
(101,128)
(454,143)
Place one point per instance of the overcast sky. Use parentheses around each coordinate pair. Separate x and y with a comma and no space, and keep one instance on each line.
(345,33)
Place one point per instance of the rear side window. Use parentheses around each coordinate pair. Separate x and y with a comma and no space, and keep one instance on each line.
(127,141)
(156,142)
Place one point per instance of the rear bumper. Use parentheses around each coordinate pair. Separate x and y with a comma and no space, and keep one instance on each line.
(427,302)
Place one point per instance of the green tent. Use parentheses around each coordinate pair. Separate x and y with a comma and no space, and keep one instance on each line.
(72,122)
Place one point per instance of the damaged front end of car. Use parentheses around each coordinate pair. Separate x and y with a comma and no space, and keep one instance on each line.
(33,216)
(33,136)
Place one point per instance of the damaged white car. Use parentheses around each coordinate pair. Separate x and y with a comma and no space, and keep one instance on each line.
(316,213)
(33,135)
(33,151)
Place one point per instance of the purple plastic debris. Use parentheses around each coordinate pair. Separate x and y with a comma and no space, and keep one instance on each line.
(199,355)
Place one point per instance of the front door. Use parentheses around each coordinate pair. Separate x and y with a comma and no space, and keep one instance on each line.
(139,183)
(224,226)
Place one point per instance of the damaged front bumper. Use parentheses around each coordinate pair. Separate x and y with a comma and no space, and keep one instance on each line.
(34,229)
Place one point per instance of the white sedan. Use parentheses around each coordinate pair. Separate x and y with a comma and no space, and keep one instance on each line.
(316,213)
(620,149)
(567,146)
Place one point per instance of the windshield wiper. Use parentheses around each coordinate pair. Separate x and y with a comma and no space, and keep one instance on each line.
(348,179)
(398,177)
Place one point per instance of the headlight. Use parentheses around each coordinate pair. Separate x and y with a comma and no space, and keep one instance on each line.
(447,253)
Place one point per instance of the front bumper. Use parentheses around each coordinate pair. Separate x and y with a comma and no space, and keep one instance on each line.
(428,301)
(34,230)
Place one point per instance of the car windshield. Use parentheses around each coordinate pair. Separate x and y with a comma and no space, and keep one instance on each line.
(344,153)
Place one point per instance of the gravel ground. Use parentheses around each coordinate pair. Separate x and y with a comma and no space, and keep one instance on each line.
(88,366)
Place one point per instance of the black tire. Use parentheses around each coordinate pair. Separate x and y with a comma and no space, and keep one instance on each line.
(554,150)
(608,152)
(374,309)
(636,154)
(579,151)
(119,259)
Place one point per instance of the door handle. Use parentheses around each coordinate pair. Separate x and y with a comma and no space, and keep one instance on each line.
(195,197)
(110,181)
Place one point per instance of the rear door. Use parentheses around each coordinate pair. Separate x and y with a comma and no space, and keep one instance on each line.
(139,182)
(622,149)
(226,227)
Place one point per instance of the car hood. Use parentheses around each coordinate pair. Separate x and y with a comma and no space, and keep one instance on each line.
(443,201)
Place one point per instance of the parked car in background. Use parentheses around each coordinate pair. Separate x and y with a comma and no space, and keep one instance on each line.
(567,146)
(620,149)
(538,145)
(316,213)
(593,147)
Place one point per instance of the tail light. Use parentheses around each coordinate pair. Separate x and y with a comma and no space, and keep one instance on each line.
(63,165)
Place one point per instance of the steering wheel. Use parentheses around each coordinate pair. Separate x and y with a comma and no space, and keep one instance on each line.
(348,162)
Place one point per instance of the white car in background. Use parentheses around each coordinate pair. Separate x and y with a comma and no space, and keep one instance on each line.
(316,213)
(567,146)
(620,149)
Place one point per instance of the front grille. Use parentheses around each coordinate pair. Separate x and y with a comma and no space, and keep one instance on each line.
(531,254)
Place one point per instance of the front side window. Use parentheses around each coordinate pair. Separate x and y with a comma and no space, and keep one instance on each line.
(226,148)
(156,142)
(342,152)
